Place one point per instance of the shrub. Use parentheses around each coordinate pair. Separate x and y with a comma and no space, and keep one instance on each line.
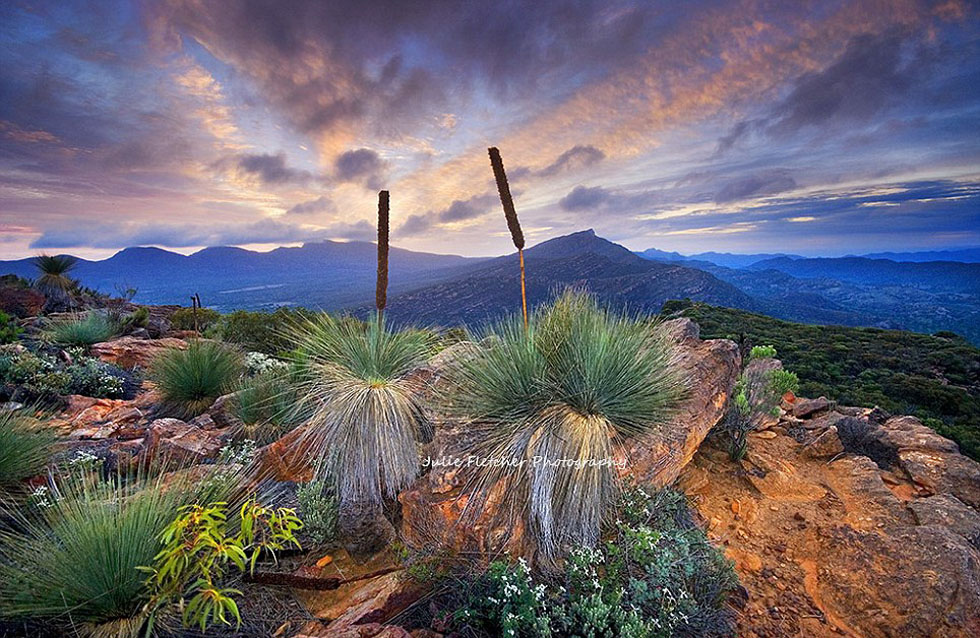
(25,447)
(183,319)
(39,376)
(757,395)
(268,333)
(198,550)
(75,560)
(190,380)
(656,576)
(136,319)
(365,420)
(582,379)
(18,299)
(318,509)
(93,328)
(9,330)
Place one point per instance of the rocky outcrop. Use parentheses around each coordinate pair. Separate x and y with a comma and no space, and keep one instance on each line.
(132,352)
(836,543)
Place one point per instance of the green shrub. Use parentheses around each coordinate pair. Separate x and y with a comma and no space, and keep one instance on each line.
(190,380)
(9,330)
(318,509)
(757,395)
(581,379)
(268,333)
(136,319)
(93,328)
(183,319)
(199,549)
(656,576)
(25,447)
(40,375)
(366,420)
(762,352)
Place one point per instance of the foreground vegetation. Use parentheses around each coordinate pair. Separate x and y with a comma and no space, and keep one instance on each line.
(935,377)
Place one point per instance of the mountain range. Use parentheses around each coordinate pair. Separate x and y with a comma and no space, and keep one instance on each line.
(448,290)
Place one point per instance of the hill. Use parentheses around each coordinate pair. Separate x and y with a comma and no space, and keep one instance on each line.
(324,274)
(935,377)
(487,291)
(940,276)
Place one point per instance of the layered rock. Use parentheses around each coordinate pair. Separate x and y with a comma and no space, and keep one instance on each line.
(131,352)
(830,542)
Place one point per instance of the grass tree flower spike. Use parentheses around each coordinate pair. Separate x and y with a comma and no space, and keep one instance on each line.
(511,214)
(381,294)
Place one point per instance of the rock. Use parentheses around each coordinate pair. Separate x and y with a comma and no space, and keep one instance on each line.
(682,328)
(804,408)
(949,512)
(944,474)
(223,412)
(363,529)
(287,459)
(174,440)
(908,433)
(826,445)
(10,406)
(131,352)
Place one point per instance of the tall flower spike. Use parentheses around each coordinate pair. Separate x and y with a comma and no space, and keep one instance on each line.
(516,234)
(381,294)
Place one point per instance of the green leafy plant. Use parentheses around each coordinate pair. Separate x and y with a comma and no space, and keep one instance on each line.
(365,417)
(756,396)
(199,549)
(183,319)
(25,448)
(191,379)
(555,401)
(9,330)
(318,507)
(93,328)
(38,377)
(265,332)
(269,405)
(73,562)
(656,576)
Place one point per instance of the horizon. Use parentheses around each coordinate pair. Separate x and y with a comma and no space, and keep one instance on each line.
(837,128)
(194,250)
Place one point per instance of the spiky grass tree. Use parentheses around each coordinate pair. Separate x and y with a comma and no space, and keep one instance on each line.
(191,379)
(94,327)
(53,279)
(556,400)
(25,448)
(366,420)
(510,213)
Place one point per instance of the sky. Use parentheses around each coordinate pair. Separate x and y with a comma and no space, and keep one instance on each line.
(817,128)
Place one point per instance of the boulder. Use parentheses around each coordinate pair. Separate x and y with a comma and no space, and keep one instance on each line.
(131,352)
(175,440)
(803,408)
(826,445)
(950,512)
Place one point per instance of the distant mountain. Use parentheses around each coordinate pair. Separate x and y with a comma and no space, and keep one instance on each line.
(966,255)
(328,274)
(582,260)
(728,260)
(947,276)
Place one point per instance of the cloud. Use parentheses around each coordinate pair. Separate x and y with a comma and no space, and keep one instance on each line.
(271,169)
(584,197)
(319,205)
(458,211)
(361,165)
(575,158)
(754,186)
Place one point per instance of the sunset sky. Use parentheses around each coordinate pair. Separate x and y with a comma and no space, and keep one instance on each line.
(739,126)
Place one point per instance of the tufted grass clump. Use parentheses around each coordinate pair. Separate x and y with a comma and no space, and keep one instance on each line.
(25,448)
(558,398)
(94,328)
(365,418)
(191,379)
(73,559)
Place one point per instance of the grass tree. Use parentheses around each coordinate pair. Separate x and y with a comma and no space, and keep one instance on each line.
(94,327)
(555,401)
(53,278)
